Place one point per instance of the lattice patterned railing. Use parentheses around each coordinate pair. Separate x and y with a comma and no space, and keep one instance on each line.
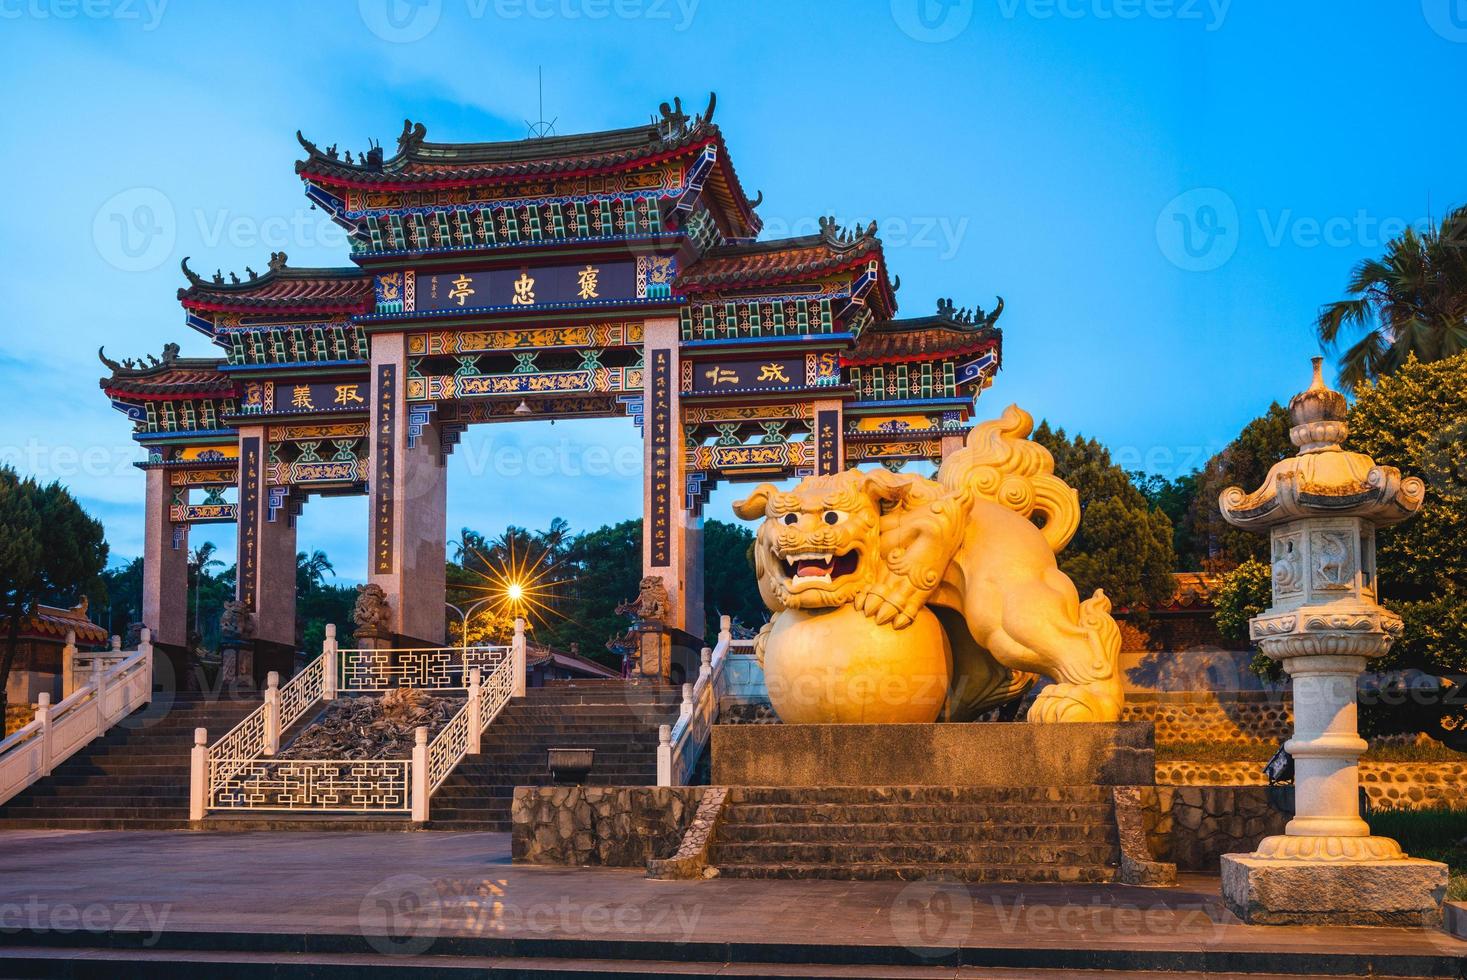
(431,668)
(680,743)
(240,775)
(358,785)
(58,731)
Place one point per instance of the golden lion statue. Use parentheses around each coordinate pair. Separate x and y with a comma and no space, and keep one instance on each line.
(887,586)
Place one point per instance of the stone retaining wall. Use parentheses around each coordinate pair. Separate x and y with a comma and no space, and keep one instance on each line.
(1246,717)
(610,826)
(1408,785)
(1193,826)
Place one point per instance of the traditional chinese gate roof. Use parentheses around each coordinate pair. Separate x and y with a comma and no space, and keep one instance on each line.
(948,333)
(419,164)
(168,378)
(281,289)
(746,266)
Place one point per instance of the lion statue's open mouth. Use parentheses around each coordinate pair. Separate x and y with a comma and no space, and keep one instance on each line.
(812,569)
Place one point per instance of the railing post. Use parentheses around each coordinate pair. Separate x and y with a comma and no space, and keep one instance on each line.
(664,755)
(419,775)
(328,664)
(198,774)
(705,667)
(68,665)
(147,644)
(145,640)
(116,643)
(476,722)
(517,650)
(687,709)
(272,712)
(99,712)
(43,715)
(725,631)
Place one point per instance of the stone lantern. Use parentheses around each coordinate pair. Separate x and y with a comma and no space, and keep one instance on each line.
(1321,509)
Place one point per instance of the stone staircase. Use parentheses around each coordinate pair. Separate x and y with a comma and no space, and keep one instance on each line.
(134,777)
(617,719)
(960,833)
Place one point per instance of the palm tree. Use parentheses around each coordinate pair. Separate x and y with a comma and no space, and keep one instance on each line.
(1412,300)
(311,570)
(200,561)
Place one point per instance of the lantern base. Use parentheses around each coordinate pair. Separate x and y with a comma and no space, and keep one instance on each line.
(1282,891)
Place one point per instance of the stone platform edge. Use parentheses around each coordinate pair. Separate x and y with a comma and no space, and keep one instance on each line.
(989,754)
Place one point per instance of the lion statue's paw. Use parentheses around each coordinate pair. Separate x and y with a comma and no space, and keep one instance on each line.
(1076,702)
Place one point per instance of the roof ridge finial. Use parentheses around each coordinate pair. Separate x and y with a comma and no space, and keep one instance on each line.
(193,277)
(277,261)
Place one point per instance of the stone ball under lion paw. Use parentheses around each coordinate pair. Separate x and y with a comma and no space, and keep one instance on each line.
(839,667)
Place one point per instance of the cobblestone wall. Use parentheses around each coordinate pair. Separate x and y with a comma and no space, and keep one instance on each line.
(1204,718)
(610,826)
(1411,785)
(1193,826)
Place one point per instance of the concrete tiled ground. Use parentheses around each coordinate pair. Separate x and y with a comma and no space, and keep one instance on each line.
(429,887)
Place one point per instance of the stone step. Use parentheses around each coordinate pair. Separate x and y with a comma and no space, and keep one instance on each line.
(922,794)
(902,833)
(928,853)
(915,813)
(986,873)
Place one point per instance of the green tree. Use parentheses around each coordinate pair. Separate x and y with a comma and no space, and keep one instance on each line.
(1124,545)
(200,562)
(1411,302)
(1416,420)
(1243,593)
(1244,462)
(729,588)
(51,550)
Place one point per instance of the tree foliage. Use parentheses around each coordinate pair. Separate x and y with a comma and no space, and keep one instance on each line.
(1416,420)
(1124,544)
(51,551)
(1410,303)
(592,573)
(1244,462)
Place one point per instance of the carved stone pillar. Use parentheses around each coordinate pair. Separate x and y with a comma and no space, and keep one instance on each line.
(165,582)
(266,573)
(1321,509)
(408,499)
(672,536)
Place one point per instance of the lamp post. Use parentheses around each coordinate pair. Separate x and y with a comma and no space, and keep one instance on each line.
(464,615)
(1321,509)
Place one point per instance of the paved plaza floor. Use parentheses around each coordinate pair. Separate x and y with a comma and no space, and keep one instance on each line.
(422,893)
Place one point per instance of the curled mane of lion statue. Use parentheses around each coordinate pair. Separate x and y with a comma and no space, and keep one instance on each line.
(881,578)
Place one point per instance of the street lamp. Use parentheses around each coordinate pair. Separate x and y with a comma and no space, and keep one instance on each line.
(464,615)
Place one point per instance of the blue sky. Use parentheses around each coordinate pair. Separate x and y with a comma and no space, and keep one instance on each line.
(1163,191)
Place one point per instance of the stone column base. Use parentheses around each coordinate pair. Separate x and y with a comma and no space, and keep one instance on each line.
(1272,891)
